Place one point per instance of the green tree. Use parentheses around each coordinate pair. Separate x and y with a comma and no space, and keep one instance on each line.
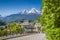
(1,31)
(2,23)
(20,29)
(51,19)
(16,28)
(5,32)
(13,28)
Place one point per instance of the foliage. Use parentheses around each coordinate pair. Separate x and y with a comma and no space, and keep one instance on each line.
(53,34)
(2,28)
(1,33)
(20,29)
(5,32)
(14,28)
(2,23)
(51,18)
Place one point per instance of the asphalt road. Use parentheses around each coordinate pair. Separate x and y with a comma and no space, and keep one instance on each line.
(39,36)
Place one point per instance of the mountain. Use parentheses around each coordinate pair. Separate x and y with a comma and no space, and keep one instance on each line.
(30,15)
(33,10)
(1,17)
(24,12)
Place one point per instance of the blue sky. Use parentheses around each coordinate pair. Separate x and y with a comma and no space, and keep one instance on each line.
(8,7)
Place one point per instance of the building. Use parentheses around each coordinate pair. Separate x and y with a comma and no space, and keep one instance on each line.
(39,27)
(28,25)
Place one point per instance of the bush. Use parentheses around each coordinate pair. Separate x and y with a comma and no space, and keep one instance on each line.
(16,28)
(53,34)
(51,19)
(2,23)
(5,32)
(1,33)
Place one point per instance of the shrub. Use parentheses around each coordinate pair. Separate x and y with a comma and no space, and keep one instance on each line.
(51,19)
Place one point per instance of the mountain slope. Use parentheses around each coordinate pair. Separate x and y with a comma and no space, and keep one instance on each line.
(21,16)
(1,17)
(30,15)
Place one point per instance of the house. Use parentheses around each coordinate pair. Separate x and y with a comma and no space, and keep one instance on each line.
(28,25)
(39,27)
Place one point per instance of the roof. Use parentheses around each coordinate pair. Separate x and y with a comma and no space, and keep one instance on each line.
(30,27)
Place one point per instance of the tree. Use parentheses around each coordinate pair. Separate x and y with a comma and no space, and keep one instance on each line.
(1,31)
(16,28)
(2,23)
(20,29)
(13,28)
(5,32)
(51,19)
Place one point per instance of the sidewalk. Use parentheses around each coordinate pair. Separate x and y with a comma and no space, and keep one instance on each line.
(39,36)
(15,36)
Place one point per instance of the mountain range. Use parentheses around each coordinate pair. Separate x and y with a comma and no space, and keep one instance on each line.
(25,14)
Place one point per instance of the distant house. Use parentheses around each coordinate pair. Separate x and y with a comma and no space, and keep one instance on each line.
(28,25)
(39,27)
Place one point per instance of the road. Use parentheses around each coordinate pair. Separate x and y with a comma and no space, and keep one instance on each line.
(39,36)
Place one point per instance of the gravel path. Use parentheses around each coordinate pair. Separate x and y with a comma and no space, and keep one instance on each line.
(39,36)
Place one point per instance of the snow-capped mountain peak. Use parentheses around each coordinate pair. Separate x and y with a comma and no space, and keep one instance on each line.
(24,11)
(33,10)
